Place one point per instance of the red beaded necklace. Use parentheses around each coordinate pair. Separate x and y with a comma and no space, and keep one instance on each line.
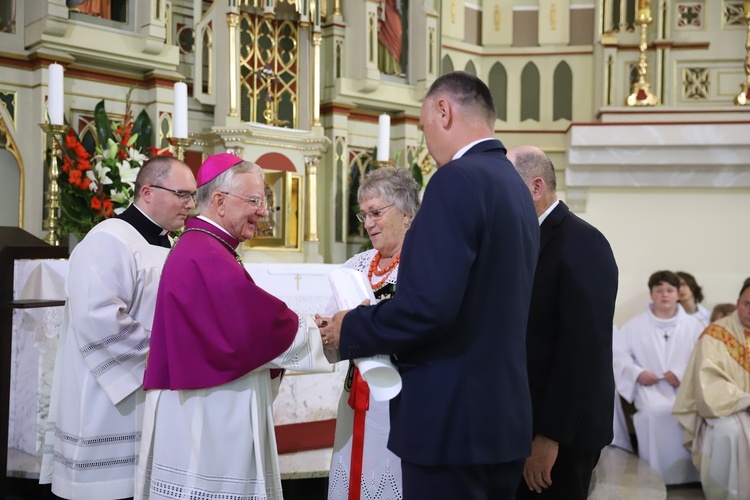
(377,272)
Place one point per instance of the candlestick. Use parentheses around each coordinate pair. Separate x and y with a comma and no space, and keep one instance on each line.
(52,197)
(180,121)
(179,145)
(384,137)
(641,94)
(56,91)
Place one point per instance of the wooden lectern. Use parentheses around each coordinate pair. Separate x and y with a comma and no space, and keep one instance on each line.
(15,244)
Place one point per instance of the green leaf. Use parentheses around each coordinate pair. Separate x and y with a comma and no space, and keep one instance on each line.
(416,172)
(144,129)
(103,127)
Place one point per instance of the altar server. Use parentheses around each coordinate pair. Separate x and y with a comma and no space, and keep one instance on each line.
(217,349)
(651,352)
(94,426)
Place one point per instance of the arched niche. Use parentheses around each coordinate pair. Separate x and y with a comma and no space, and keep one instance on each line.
(530,92)
(562,99)
(498,84)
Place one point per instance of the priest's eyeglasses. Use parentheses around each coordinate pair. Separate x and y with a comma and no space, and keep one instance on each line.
(256,202)
(373,214)
(183,196)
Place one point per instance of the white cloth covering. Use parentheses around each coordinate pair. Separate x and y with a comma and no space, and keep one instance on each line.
(219,442)
(381,469)
(94,427)
(641,345)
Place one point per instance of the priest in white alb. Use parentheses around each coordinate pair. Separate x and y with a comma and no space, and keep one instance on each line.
(714,401)
(218,348)
(94,426)
(651,352)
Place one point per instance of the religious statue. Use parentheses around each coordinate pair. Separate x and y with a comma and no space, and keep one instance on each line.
(390,39)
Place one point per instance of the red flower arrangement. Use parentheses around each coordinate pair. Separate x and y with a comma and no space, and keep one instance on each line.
(98,184)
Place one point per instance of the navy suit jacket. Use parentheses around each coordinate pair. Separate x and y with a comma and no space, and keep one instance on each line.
(569,338)
(457,323)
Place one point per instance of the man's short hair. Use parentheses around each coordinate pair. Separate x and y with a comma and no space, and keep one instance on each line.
(663,277)
(468,90)
(745,286)
(532,163)
(153,172)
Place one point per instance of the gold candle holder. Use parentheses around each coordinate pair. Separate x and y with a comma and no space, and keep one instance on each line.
(743,98)
(640,91)
(380,164)
(179,144)
(52,196)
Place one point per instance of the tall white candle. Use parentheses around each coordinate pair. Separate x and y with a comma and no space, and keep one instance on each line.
(56,92)
(180,121)
(384,137)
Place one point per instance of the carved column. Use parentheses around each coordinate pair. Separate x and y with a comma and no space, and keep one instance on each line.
(311,210)
(233,21)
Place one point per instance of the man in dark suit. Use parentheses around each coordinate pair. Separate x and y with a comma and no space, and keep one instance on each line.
(462,422)
(568,342)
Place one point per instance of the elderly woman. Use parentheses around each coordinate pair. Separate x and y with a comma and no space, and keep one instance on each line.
(690,295)
(388,201)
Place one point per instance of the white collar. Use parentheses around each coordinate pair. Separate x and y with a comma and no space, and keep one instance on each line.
(548,211)
(464,149)
(206,219)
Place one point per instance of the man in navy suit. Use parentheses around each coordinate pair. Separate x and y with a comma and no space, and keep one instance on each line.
(568,342)
(462,422)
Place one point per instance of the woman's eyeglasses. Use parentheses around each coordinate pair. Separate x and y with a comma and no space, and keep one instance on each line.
(373,214)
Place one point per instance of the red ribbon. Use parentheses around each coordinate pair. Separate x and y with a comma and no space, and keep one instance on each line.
(359,401)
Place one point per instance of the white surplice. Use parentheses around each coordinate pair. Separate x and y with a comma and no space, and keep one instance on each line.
(657,345)
(230,451)
(94,426)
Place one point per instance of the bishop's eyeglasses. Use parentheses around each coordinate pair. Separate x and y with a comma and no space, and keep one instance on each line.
(183,196)
(373,214)
(257,202)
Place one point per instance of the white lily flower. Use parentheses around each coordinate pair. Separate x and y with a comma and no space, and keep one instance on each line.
(119,210)
(127,172)
(137,156)
(93,186)
(119,197)
(98,174)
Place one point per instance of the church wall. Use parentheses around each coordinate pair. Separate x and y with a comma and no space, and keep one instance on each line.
(700,231)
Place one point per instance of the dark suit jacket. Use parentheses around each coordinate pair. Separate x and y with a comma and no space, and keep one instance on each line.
(569,338)
(458,320)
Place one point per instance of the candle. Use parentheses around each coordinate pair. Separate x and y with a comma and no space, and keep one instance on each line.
(179,119)
(384,137)
(56,92)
